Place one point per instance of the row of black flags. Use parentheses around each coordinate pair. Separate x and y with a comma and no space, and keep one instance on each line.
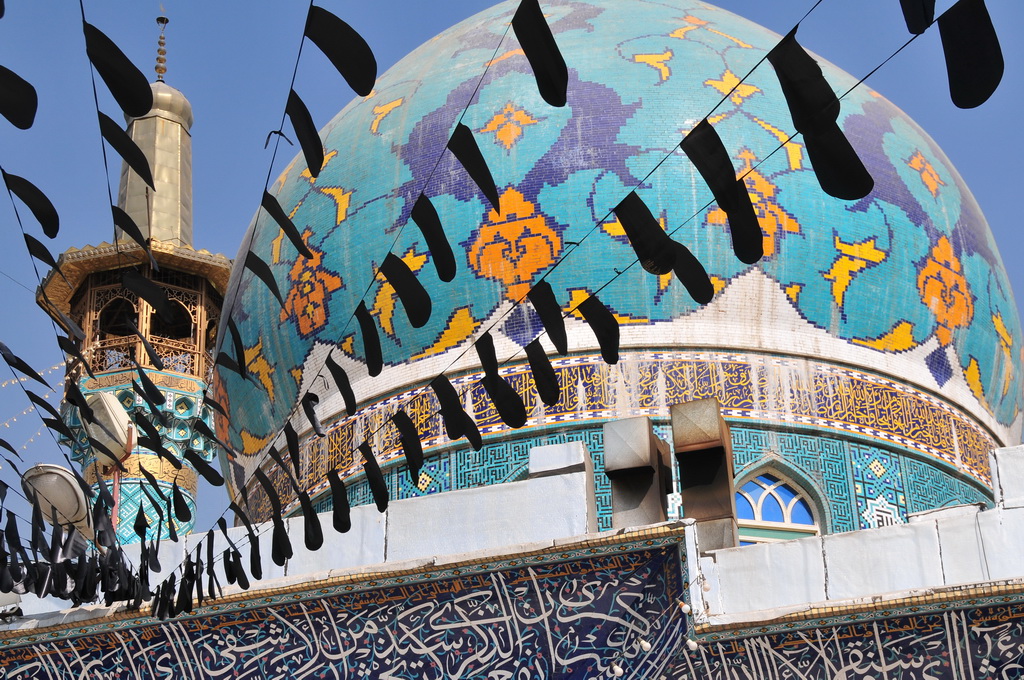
(64,568)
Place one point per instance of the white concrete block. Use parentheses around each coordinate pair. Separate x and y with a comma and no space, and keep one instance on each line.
(706,591)
(770,575)
(361,545)
(1008,476)
(491,553)
(877,561)
(170,555)
(1002,536)
(628,444)
(490,517)
(961,548)
(697,425)
(964,510)
(558,458)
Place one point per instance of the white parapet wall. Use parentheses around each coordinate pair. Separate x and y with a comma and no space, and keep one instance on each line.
(554,503)
(936,550)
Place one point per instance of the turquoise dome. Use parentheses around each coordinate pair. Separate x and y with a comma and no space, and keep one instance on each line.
(903,290)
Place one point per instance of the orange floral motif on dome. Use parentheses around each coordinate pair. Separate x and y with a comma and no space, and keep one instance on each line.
(514,245)
(772,217)
(944,290)
(309,290)
(929,176)
(507,125)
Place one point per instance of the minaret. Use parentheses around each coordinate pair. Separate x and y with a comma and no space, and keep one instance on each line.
(163,135)
(90,291)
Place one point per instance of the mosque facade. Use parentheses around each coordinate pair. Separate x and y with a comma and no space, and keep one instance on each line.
(870,357)
(860,383)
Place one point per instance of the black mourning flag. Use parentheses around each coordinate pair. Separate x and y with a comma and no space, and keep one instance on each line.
(149,291)
(42,403)
(255,564)
(815,109)
(374,477)
(275,210)
(464,147)
(411,292)
(426,218)
(694,277)
(181,509)
(18,99)
(344,47)
(40,252)
(652,245)
(281,547)
(305,131)
(605,327)
(40,206)
(918,14)
(371,341)
(542,52)
(542,297)
(344,386)
(411,445)
(339,499)
(126,82)
(154,358)
(706,151)
(506,400)
(261,269)
(451,408)
(215,405)
(203,468)
(125,223)
(71,349)
(544,376)
(974,60)
(127,149)
(309,402)
(291,437)
(239,348)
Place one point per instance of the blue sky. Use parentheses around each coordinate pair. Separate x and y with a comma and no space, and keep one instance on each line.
(234,61)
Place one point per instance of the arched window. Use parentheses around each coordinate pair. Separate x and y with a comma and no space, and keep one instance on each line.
(178,325)
(769,509)
(116,318)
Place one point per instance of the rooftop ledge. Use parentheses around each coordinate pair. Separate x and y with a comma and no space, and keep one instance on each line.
(938,559)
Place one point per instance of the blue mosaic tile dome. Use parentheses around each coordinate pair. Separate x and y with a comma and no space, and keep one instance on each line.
(885,324)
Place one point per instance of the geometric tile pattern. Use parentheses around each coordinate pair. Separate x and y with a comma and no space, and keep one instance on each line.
(130,495)
(435,476)
(863,486)
(877,487)
(495,463)
(822,461)
(925,482)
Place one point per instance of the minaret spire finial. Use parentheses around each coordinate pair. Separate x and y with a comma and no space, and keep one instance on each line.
(161,51)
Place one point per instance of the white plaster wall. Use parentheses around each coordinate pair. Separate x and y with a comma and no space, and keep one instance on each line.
(938,549)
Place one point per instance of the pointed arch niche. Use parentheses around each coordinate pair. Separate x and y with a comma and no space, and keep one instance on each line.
(771,507)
